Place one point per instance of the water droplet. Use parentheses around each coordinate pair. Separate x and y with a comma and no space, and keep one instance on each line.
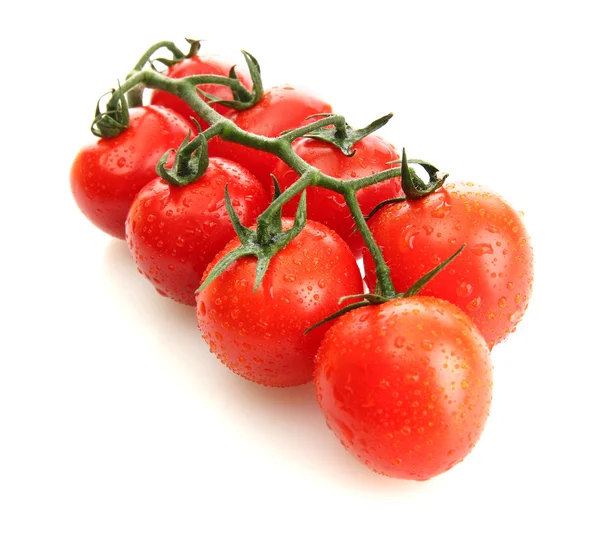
(290,278)
(408,235)
(441,210)
(482,249)
(398,341)
(474,304)
(464,289)
(321,283)
(427,345)
(428,229)
(150,217)
(346,431)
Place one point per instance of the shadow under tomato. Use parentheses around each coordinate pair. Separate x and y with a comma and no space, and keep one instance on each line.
(284,423)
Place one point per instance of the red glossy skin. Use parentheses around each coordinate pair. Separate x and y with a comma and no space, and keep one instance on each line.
(281,108)
(406,386)
(491,280)
(106,175)
(372,156)
(173,232)
(259,335)
(198,65)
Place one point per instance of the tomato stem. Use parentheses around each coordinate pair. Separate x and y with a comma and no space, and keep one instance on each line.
(169,45)
(382,269)
(269,231)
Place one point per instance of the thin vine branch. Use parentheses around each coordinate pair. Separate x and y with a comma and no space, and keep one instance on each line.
(281,146)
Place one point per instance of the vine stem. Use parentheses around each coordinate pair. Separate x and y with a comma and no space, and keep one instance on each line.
(169,45)
(382,269)
(281,146)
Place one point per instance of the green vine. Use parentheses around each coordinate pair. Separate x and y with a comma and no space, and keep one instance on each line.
(268,238)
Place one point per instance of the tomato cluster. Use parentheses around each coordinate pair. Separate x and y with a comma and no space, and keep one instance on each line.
(403,376)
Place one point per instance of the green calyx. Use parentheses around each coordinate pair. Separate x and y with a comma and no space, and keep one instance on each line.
(343,136)
(264,243)
(115,119)
(191,161)
(176,54)
(413,186)
(377,299)
(194,47)
(242,98)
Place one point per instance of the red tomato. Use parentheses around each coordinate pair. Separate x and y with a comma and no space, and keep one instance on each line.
(372,155)
(106,175)
(173,232)
(406,386)
(198,65)
(259,335)
(490,280)
(280,109)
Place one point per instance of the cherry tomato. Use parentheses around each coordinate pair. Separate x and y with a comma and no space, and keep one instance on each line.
(259,335)
(173,232)
(281,108)
(198,65)
(372,155)
(491,280)
(406,386)
(106,175)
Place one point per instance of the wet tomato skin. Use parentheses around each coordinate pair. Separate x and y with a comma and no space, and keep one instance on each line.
(107,174)
(259,335)
(199,65)
(281,108)
(406,386)
(174,232)
(372,155)
(491,280)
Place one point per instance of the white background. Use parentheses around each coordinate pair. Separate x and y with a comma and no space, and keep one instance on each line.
(115,419)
